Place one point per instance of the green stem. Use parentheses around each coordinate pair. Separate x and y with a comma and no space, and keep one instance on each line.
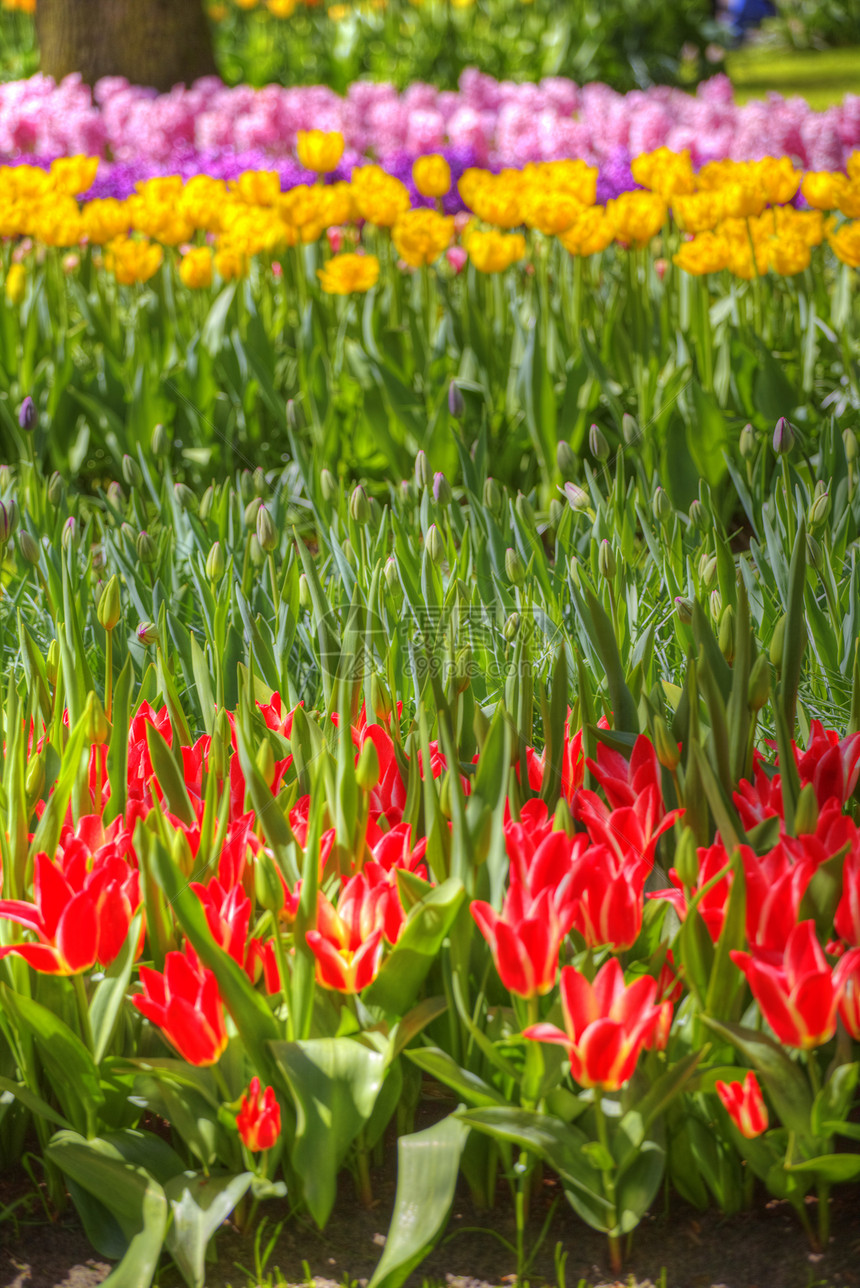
(83,1011)
(108,675)
(608,1184)
(282,971)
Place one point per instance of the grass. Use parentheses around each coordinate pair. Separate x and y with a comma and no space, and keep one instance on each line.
(822,78)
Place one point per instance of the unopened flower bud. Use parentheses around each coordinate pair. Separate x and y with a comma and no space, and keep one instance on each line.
(525,511)
(758,690)
(806,811)
(349,552)
(367,769)
(442,493)
(708,571)
(116,496)
(629,429)
(147,550)
(514,567)
(577,497)
(305,597)
(814,553)
(328,484)
(246,486)
(698,516)
(207,500)
(97,726)
(56,488)
(661,506)
(34,779)
(266,762)
(293,415)
(556,510)
(252,509)
(716,602)
(783,437)
(71,537)
(849,440)
(28,547)
(606,564)
(131,471)
(159,443)
(598,444)
(52,662)
(565,459)
(562,819)
(110,605)
(185,498)
(819,512)
(511,627)
(668,751)
(434,544)
(259,480)
(180,852)
(147,634)
(380,699)
(5,479)
(462,670)
(687,859)
(727,634)
(492,495)
(777,643)
(267,534)
(456,401)
(215,562)
(28,417)
(684,609)
(359,506)
(746,442)
(8,520)
(255,550)
(422,470)
(268,886)
(392,576)
(219,747)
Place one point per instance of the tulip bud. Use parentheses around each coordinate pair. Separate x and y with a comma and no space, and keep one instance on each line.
(434,545)
(422,470)
(814,553)
(598,444)
(28,548)
(511,627)
(442,493)
(456,401)
(255,550)
(783,437)
(266,762)
(684,609)
(55,489)
(392,576)
(445,796)
(8,520)
(806,812)
(849,440)
(71,537)
(305,597)
(5,479)
(629,429)
(367,770)
(34,779)
(562,819)
(219,747)
(110,606)
(777,643)
(268,886)
(293,415)
(259,480)
(661,506)
(116,496)
(746,443)
(525,511)
(252,509)
(708,570)
(52,662)
(577,497)
(758,691)
(727,634)
(462,670)
(819,489)
(716,602)
(180,851)
(687,860)
(565,458)
(699,516)
(380,699)
(574,572)
(492,495)
(328,484)
(28,417)
(266,532)
(131,471)
(207,500)
(514,567)
(159,443)
(215,562)
(556,510)
(97,726)
(606,560)
(819,512)
(668,751)
(185,498)
(147,633)
(147,550)
(359,506)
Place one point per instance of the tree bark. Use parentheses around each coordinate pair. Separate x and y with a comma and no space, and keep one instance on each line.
(159,43)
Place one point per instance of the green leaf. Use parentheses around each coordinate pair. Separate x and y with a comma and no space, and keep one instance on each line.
(34,1103)
(428,1163)
(795,630)
(334,1083)
(833,1168)
(168,775)
(444,1068)
(110,992)
(418,946)
(117,757)
(199,1205)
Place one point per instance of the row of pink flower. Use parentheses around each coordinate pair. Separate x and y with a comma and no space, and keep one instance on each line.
(502,122)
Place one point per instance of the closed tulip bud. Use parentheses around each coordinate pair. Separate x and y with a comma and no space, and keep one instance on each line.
(259,481)
(606,560)
(349,553)
(661,506)
(456,401)
(97,726)
(116,496)
(219,747)
(28,417)
(185,498)
(565,458)
(668,751)
(180,852)
(8,520)
(758,690)
(268,886)
(598,444)
(56,488)
(525,511)
(159,443)
(147,550)
(5,479)
(434,544)
(367,770)
(422,470)
(328,484)
(252,509)
(71,537)
(746,443)
(684,609)
(110,606)
(34,779)
(819,512)
(359,506)
(849,440)
(577,497)
(380,699)
(131,471)
(147,634)
(52,662)
(727,634)
(514,567)
(629,429)
(462,671)
(207,500)
(28,547)
(574,572)
(445,796)
(699,516)
(556,510)
(511,627)
(814,553)
(305,597)
(492,495)
(441,489)
(777,644)
(783,437)
(806,811)
(392,576)
(266,762)
(246,486)
(744,1104)
(562,819)
(687,860)
(708,571)
(266,532)
(255,551)
(293,415)
(716,602)
(215,562)
(819,490)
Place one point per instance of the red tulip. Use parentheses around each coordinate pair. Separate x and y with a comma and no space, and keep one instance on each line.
(745,1105)
(259,1118)
(636,817)
(185,1004)
(798,997)
(847,918)
(606,1024)
(608,895)
(348,941)
(525,940)
(832,767)
(712,907)
(847,977)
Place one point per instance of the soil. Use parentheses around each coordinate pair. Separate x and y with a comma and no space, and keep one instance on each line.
(764,1248)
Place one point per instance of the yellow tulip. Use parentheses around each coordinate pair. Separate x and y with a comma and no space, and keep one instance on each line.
(431,176)
(348,274)
(319,151)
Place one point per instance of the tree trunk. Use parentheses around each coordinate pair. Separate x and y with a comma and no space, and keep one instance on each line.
(150,42)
